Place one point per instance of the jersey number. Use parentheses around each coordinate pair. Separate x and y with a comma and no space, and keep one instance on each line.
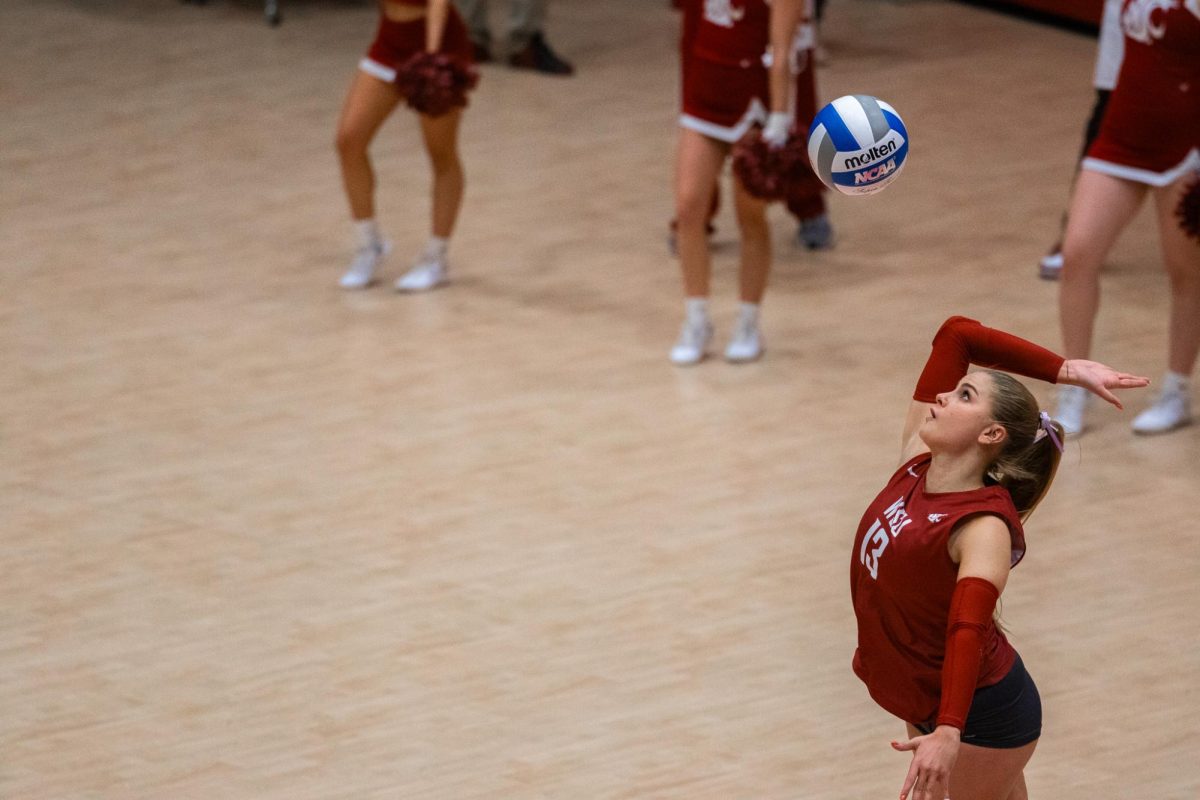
(880,538)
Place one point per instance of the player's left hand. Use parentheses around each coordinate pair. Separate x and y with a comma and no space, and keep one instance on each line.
(933,760)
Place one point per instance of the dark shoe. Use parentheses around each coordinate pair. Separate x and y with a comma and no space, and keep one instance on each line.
(483,53)
(538,56)
(815,233)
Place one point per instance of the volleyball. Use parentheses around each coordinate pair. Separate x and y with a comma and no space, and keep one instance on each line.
(857,144)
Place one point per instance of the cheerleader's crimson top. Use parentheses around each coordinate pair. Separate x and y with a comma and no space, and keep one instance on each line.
(732,32)
(901,583)
(1151,125)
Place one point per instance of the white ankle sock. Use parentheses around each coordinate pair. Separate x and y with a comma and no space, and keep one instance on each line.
(1175,382)
(435,248)
(696,309)
(367,232)
(748,313)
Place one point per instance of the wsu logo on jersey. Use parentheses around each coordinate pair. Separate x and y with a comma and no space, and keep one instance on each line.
(722,12)
(1138,22)
(896,518)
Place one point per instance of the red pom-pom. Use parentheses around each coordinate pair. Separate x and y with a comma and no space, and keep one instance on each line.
(1188,210)
(434,83)
(768,172)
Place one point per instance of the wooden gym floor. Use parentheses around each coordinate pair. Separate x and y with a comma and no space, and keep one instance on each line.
(267,539)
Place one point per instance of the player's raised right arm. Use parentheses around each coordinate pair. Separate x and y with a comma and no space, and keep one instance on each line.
(959,343)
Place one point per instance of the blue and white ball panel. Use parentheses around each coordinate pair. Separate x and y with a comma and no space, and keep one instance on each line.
(857,144)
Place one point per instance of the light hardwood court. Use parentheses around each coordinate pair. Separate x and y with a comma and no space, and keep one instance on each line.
(266,539)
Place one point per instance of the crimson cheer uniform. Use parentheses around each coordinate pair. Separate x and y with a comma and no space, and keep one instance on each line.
(901,582)
(395,42)
(726,86)
(1151,128)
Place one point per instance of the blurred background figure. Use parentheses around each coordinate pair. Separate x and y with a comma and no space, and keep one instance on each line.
(405,28)
(806,200)
(1148,144)
(1109,52)
(526,40)
(728,88)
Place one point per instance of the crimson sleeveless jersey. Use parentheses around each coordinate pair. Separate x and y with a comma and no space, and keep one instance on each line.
(731,32)
(901,583)
(1151,128)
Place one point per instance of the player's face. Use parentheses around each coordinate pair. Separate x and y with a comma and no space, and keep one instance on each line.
(960,418)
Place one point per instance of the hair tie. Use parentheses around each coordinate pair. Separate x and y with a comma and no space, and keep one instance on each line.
(1047,429)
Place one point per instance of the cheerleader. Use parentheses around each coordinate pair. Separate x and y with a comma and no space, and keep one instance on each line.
(1148,145)
(731,83)
(406,27)
(805,198)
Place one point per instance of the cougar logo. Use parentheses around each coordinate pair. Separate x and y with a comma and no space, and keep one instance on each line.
(1138,22)
(722,12)
(937,517)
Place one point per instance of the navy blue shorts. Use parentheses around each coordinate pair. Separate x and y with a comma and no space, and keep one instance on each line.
(1004,715)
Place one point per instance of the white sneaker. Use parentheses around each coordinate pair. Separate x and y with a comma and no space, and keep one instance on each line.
(361,272)
(1072,402)
(746,344)
(424,276)
(1170,410)
(693,339)
(1050,267)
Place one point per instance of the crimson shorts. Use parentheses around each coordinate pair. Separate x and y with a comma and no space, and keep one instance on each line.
(395,42)
(723,101)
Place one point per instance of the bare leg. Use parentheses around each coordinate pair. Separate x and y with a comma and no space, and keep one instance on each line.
(367,105)
(756,245)
(1100,209)
(441,143)
(699,163)
(1182,257)
(987,773)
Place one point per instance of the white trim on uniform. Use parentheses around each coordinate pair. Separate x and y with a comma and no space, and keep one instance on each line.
(377,70)
(1111,51)
(1165,178)
(755,112)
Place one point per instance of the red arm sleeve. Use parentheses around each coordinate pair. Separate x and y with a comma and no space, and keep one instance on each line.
(970,614)
(961,342)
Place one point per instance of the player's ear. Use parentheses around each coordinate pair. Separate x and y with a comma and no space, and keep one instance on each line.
(993,434)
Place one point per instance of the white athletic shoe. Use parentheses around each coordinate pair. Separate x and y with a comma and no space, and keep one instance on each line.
(361,272)
(1050,267)
(1072,402)
(693,339)
(1170,410)
(746,343)
(424,276)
